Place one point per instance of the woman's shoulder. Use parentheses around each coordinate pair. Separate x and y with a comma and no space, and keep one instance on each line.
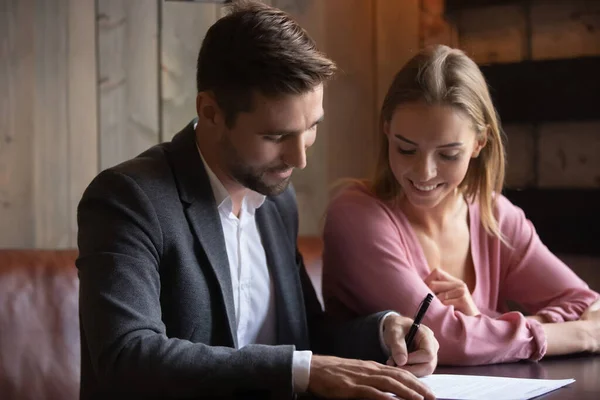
(506,212)
(355,194)
(510,217)
(356,199)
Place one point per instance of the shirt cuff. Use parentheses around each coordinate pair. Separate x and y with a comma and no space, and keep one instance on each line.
(384,347)
(539,337)
(301,370)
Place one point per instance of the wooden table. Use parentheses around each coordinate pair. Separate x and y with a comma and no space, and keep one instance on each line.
(585,369)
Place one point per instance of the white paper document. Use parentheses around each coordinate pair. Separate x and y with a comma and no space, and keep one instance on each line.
(469,387)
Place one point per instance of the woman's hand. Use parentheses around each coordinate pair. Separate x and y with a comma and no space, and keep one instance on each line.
(451,291)
(592,313)
(592,317)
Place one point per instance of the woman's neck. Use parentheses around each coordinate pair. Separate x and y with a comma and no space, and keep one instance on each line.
(435,219)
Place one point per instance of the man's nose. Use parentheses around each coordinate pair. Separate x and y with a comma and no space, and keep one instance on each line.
(295,153)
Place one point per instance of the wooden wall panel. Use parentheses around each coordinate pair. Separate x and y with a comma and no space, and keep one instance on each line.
(82,104)
(565,29)
(50,150)
(183,28)
(494,34)
(16,123)
(129,79)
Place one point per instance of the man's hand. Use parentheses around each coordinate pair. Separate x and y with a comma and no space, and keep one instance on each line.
(420,362)
(451,291)
(340,378)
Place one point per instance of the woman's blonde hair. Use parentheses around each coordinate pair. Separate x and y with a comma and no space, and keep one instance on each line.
(440,75)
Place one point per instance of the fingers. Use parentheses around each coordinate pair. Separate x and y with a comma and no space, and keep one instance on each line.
(420,370)
(443,275)
(420,357)
(427,347)
(442,286)
(433,276)
(399,352)
(456,293)
(402,383)
(463,305)
(368,392)
(458,303)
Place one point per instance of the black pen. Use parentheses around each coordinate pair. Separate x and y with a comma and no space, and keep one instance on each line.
(417,321)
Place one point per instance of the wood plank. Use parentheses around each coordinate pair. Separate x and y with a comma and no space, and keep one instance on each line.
(495,34)
(184,26)
(16,123)
(50,153)
(565,29)
(128,69)
(82,104)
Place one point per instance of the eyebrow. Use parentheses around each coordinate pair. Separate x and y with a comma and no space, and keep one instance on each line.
(292,132)
(444,146)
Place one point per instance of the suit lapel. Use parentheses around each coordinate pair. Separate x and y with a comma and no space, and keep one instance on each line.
(281,259)
(202,213)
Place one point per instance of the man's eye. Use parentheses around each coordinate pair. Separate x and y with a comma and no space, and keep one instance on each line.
(274,138)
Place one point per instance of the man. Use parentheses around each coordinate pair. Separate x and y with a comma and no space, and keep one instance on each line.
(191,283)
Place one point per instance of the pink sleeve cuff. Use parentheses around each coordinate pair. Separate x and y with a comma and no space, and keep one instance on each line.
(539,338)
(550,316)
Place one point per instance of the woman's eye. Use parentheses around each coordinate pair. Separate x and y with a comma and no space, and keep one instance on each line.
(405,151)
(450,157)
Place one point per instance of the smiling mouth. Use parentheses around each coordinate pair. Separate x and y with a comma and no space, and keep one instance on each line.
(425,188)
(284,173)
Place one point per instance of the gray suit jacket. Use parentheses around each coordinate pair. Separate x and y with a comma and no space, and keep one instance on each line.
(156,303)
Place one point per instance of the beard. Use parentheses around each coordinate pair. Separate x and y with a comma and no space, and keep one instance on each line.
(253,178)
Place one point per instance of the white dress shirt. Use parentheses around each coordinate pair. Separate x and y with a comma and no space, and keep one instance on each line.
(253,292)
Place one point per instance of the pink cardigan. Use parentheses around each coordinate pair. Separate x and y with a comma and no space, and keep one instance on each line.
(373,261)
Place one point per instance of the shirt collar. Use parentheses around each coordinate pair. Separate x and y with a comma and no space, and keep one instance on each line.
(252,200)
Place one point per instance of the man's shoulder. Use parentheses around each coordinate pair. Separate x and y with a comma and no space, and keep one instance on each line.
(149,175)
(148,166)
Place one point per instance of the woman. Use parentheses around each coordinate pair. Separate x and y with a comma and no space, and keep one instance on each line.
(433,220)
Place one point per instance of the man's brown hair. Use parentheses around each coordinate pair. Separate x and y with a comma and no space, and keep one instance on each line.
(258,48)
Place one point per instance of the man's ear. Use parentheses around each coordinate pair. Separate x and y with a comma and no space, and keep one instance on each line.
(481,141)
(208,110)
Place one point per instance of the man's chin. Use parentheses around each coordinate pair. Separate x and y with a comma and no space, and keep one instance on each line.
(273,189)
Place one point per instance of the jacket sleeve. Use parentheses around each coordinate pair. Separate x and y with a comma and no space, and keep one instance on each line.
(120,244)
(356,338)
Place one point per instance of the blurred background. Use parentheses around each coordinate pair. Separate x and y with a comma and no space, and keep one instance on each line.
(86,84)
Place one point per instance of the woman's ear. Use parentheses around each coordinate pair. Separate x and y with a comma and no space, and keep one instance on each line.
(480,142)
(386,128)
